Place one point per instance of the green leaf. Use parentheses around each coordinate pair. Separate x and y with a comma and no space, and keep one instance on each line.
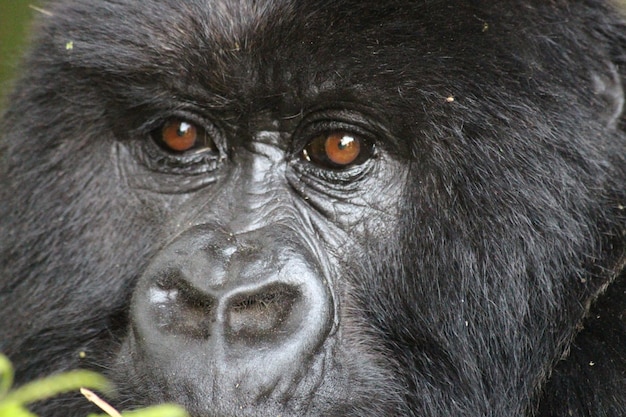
(6,375)
(162,410)
(14,410)
(44,388)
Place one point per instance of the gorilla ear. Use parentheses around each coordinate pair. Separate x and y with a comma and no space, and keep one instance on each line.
(608,87)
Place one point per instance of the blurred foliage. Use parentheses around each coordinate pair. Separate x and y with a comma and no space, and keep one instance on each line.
(15,18)
(14,402)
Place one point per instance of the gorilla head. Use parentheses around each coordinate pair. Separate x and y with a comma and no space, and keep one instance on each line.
(321,208)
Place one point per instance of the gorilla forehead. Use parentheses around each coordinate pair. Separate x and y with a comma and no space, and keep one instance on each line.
(224,43)
(148,34)
(244,55)
(233,50)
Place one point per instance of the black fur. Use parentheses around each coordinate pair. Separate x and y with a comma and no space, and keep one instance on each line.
(475,262)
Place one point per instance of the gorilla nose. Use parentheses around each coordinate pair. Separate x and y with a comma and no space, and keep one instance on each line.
(264,313)
(240,302)
(251,314)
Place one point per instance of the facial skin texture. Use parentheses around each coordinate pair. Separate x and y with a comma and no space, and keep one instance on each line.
(320,208)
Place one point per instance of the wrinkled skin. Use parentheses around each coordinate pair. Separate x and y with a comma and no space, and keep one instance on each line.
(466,260)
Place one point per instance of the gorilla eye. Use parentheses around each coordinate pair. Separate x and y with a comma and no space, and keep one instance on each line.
(180,136)
(336,150)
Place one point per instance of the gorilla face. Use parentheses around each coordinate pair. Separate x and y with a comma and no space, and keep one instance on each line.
(313,208)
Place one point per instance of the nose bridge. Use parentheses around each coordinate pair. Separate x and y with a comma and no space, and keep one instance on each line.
(219,260)
(255,192)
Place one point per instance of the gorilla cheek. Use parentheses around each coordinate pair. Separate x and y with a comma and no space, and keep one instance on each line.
(228,312)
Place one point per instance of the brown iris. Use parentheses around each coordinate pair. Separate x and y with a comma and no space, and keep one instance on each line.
(179,135)
(336,149)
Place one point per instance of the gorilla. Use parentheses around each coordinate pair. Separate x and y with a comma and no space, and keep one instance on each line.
(343,208)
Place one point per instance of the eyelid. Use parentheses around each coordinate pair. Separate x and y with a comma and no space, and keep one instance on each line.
(334,120)
(201,162)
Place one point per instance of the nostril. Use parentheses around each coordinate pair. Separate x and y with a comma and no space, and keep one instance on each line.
(263,314)
(179,308)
